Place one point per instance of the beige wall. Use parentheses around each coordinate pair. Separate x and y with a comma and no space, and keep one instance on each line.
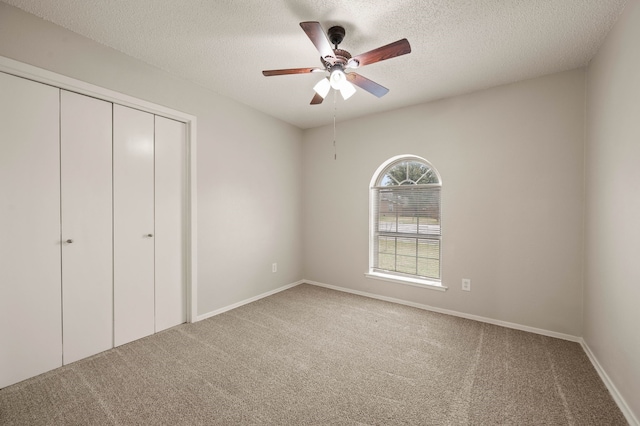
(248,163)
(511,161)
(612,255)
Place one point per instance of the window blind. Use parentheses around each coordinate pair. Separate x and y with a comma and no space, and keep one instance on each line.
(406,234)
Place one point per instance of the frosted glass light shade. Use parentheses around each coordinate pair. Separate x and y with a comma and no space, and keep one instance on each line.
(337,79)
(347,90)
(322,87)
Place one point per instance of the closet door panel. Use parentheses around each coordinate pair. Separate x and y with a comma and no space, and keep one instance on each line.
(87,279)
(30,285)
(133,224)
(170,160)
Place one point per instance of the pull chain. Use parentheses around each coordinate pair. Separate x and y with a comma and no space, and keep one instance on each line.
(335,150)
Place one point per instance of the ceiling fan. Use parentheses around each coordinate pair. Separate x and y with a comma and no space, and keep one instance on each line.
(339,62)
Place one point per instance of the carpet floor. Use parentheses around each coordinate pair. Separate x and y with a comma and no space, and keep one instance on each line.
(314,356)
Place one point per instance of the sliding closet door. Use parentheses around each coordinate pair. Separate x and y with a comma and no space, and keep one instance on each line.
(133,221)
(170,160)
(30,302)
(87,279)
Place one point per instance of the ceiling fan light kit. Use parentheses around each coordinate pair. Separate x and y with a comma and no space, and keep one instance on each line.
(339,63)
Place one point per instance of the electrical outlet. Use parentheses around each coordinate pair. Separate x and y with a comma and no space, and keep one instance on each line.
(274,267)
(466,284)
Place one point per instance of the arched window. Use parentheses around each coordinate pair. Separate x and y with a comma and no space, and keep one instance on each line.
(405,231)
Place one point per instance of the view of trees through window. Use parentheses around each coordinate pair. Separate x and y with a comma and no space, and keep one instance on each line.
(409,173)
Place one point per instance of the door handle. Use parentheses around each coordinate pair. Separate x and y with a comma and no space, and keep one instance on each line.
(149,235)
(69,241)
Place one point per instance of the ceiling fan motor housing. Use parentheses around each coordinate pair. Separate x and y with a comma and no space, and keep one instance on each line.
(341,58)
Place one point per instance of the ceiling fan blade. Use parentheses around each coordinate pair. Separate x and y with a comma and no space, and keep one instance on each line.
(319,38)
(366,84)
(317,99)
(269,73)
(391,50)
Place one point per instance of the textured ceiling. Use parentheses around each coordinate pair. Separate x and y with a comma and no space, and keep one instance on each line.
(458,46)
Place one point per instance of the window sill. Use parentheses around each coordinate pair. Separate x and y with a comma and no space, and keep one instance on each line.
(416,282)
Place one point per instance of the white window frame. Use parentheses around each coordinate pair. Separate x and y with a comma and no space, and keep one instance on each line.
(392,276)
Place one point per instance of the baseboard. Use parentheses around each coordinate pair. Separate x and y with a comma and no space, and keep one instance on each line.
(622,404)
(246,301)
(450,312)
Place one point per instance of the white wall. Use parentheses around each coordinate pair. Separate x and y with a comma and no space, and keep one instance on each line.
(511,161)
(612,262)
(249,195)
